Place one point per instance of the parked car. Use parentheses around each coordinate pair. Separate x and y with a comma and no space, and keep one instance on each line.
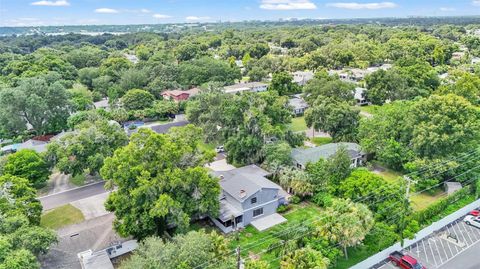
(475,213)
(405,261)
(472,220)
(219,149)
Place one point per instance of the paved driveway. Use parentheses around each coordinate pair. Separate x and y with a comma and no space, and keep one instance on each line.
(92,207)
(220,165)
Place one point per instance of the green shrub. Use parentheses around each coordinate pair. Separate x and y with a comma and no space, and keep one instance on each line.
(380,237)
(295,199)
(425,216)
(283,208)
(322,199)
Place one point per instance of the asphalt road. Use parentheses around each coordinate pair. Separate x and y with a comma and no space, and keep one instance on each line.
(62,198)
(466,260)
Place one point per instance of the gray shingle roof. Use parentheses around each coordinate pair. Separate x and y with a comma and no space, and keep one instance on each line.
(313,155)
(250,179)
(297,103)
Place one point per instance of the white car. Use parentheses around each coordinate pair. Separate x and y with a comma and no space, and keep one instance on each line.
(472,220)
(219,149)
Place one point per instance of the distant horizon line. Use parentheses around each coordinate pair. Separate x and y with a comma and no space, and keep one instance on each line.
(291,19)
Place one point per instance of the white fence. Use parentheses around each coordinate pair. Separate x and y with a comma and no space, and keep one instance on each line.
(379,257)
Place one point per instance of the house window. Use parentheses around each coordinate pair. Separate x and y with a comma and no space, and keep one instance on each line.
(239,219)
(257,212)
(253,200)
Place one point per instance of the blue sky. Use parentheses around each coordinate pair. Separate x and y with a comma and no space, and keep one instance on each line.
(68,12)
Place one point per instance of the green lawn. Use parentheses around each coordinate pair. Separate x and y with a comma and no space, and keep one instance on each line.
(205,146)
(321,140)
(369,109)
(388,174)
(423,200)
(252,241)
(298,124)
(61,216)
(355,255)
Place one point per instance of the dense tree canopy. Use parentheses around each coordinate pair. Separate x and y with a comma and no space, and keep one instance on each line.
(338,119)
(160,182)
(195,249)
(245,122)
(27,164)
(21,240)
(35,101)
(86,148)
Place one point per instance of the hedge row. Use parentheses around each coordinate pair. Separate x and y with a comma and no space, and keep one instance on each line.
(426,215)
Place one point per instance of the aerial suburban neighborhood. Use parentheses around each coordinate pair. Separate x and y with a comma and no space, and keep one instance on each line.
(253,134)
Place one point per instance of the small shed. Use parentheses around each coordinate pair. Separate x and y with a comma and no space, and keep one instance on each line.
(451,187)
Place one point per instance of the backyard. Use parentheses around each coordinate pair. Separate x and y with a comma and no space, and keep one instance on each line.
(371,109)
(298,124)
(251,241)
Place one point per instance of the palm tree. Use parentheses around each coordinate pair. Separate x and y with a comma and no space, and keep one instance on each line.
(345,222)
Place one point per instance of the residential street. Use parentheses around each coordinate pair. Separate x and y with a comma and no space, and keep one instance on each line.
(63,198)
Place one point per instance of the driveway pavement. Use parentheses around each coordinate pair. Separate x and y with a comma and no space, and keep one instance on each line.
(62,198)
(92,207)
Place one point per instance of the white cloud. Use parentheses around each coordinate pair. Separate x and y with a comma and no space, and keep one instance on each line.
(106,10)
(476,2)
(59,3)
(144,10)
(447,9)
(287,4)
(196,18)
(354,5)
(161,16)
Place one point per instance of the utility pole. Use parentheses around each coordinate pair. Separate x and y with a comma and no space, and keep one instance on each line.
(239,261)
(409,182)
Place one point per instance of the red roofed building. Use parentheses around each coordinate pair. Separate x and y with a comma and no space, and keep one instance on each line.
(179,95)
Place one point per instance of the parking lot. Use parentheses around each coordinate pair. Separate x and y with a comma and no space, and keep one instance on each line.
(442,248)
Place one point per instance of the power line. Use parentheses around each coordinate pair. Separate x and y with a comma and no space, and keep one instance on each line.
(293,228)
(303,224)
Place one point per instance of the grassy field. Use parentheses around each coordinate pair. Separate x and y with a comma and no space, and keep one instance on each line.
(355,255)
(388,174)
(321,140)
(61,216)
(372,109)
(423,200)
(298,124)
(205,146)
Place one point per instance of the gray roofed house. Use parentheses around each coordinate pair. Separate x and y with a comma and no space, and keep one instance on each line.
(249,86)
(302,77)
(360,96)
(298,105)
(301,157)
(247,196)
(160,128)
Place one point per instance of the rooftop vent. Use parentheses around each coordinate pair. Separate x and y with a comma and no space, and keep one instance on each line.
(243,193)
